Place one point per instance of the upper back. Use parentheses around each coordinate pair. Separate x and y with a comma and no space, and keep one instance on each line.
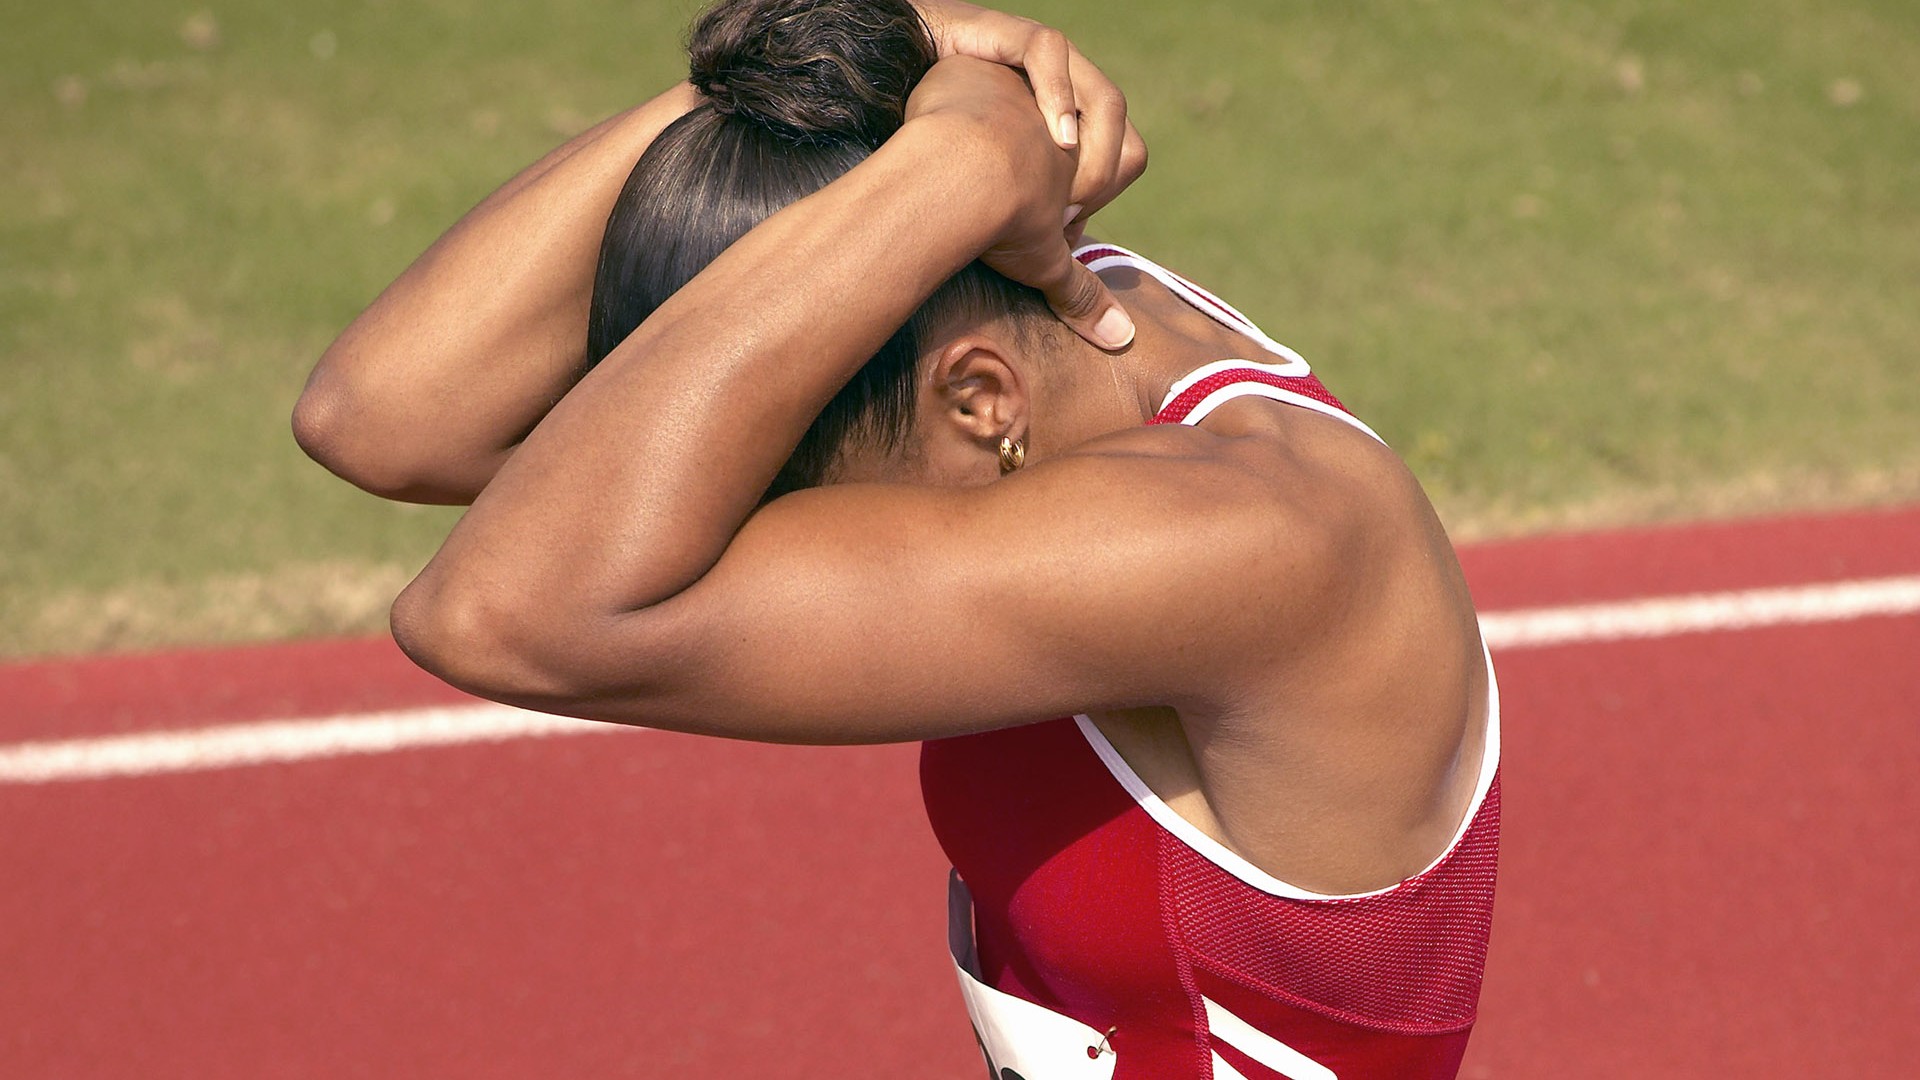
(1350,758)
(1144,894)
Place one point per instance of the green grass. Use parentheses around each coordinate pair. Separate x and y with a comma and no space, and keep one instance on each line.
(1580,262)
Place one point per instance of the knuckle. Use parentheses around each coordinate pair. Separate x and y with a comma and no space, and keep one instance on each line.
(1082,295)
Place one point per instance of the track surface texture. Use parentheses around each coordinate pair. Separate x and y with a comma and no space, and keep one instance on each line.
(1710,866)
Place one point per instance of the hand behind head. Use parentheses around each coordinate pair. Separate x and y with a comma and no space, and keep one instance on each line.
(997,115)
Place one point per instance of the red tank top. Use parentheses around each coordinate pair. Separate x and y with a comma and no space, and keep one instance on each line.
(1099,936)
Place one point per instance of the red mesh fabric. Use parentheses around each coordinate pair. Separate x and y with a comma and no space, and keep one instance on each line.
(1409,960)
(1304,385)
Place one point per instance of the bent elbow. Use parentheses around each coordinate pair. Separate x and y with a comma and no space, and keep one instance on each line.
(334,426)
(529,648)
(318,419)
(476,643)
(331,429)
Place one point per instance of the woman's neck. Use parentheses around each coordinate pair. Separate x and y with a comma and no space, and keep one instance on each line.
(1097,393)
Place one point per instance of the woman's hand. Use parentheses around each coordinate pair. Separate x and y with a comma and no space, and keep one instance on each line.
(996,113)
(1084,109)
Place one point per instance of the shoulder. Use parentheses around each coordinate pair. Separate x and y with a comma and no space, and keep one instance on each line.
(1257,466)
(1152,567)
(1272,511)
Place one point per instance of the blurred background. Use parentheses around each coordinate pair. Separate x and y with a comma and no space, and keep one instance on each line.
(1581,262)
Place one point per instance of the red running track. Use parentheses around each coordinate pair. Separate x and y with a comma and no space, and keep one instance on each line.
(1710,865)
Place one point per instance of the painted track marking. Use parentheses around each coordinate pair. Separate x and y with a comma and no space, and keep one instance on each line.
(1665,616)
(260,743)
(230,745)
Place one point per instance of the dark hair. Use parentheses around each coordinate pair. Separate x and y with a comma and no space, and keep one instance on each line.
(798,92)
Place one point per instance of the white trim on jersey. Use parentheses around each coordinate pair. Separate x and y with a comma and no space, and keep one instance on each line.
(1015,1034)
(1251,388)
(1236,864)
(1230,317)
(1258,1045)
(1207,371)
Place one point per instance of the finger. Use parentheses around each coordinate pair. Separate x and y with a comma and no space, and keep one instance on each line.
(1133,163)
(1103,131)
(984,35)
(1133,157)
(1084,303)
(939,27)
(1048,60)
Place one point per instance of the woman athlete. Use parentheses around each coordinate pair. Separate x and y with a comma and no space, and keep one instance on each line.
(868,452)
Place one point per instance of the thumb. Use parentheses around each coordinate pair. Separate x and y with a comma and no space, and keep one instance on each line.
(1085,303)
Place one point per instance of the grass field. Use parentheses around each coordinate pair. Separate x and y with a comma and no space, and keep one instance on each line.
(1580,262)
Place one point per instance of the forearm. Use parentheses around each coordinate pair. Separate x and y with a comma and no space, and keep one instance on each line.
(633,486)
(425,395)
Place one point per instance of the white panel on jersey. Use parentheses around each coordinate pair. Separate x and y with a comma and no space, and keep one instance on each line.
(1259,1046)
(1222,1070)
(1031,1041)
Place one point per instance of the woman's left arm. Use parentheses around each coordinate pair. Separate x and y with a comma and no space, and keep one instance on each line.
(431,389)
(426,393)
(605,571)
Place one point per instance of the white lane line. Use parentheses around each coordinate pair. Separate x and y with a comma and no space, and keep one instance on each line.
(233,745)
(1666,616)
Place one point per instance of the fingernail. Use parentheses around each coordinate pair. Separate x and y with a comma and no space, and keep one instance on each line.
(1072,212)
(1069,131)
(1114,329)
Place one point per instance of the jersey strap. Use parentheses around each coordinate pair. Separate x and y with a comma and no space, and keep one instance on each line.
(1205,389)
(1098,257)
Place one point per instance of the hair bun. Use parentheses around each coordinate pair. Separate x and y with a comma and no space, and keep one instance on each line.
(812,69)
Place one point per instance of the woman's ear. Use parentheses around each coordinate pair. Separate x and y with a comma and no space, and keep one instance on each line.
(980,395)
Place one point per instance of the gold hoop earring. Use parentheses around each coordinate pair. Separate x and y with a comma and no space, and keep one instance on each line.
(1013,454)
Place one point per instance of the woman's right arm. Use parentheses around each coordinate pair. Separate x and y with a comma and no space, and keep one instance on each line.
(424,396)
